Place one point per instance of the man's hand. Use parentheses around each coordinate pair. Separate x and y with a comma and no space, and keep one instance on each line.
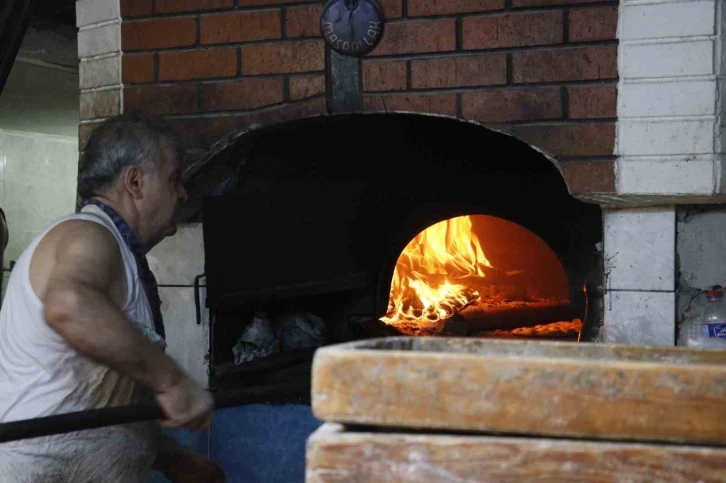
(189,467)
(186,404)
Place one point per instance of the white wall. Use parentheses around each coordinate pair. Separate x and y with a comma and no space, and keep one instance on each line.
(175,262)
(37,183)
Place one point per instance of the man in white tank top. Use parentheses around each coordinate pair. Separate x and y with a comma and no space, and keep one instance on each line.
(80,326)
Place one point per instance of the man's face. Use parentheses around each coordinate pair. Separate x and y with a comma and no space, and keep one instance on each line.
(163,190)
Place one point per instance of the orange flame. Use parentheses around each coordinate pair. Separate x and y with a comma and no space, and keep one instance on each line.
(428,282)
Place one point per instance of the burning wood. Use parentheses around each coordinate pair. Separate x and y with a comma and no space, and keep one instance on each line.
(443,284)
(497,313)
(429,281)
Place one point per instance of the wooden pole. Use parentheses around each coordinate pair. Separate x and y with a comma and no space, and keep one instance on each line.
(96,418)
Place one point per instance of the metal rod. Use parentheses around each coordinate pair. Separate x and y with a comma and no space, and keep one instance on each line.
(96,418)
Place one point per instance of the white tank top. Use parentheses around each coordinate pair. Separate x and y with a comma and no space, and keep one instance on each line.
(41,375)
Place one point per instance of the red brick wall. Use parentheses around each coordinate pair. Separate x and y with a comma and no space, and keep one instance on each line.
(215,66)
(543,70)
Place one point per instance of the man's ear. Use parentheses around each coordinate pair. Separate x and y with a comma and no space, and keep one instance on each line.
(134,181)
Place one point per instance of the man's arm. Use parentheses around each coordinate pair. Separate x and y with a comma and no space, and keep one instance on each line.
(78,306)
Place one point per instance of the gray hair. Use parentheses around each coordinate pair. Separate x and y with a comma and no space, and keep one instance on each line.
(131,139)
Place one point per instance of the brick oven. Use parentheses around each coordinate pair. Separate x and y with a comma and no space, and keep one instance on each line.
(593,126)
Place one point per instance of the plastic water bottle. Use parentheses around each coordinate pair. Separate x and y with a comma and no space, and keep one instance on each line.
(709,329)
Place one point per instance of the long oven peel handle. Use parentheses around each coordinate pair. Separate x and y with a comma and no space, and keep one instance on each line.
(96,418)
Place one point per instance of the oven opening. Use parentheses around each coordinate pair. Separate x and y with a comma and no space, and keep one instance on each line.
(481,276)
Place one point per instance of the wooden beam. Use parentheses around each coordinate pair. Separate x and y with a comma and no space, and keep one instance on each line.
(337,455)
(545,388)
(14,20)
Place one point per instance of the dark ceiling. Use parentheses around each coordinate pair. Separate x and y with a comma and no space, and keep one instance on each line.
(55,11)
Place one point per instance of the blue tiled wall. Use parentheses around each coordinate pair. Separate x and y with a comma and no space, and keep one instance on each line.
(256,443)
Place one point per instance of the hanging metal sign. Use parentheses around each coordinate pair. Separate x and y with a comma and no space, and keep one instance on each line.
(352,27)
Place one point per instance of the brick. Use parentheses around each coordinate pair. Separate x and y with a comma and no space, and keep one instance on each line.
(172,6)
(303,21)
(509,30)
(391,8)
(99,72)
(418,8)
(169,99)
(98,41)
(577,63)
(386,75)
(589,177)
(242,94)
(459,71)
(97,104)
(506,105)
(240,27)
(422,103)
(543,3)
(592,102)
(285,112)
(135,8)
(417,37)
(597,23)
(281,58)
(158,33)
(203,132)
(137,68)
(303,86)
(570,140)
(198,64)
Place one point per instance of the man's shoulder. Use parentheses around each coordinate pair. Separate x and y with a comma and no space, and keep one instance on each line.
(81,234)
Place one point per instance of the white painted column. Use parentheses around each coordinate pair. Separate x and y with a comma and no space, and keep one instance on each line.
(668,147)
(668,59)
(99,51)
(639,247)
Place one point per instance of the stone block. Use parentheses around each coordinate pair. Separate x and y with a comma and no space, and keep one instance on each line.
(701,247)
(89,12)
(666,59)
(647,137)
(99,40)
(666,175)
(667,19)
(100,72)
(674,98)
(639,248)
(643,318)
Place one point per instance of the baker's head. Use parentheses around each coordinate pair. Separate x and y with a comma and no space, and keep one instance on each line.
(134,160)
